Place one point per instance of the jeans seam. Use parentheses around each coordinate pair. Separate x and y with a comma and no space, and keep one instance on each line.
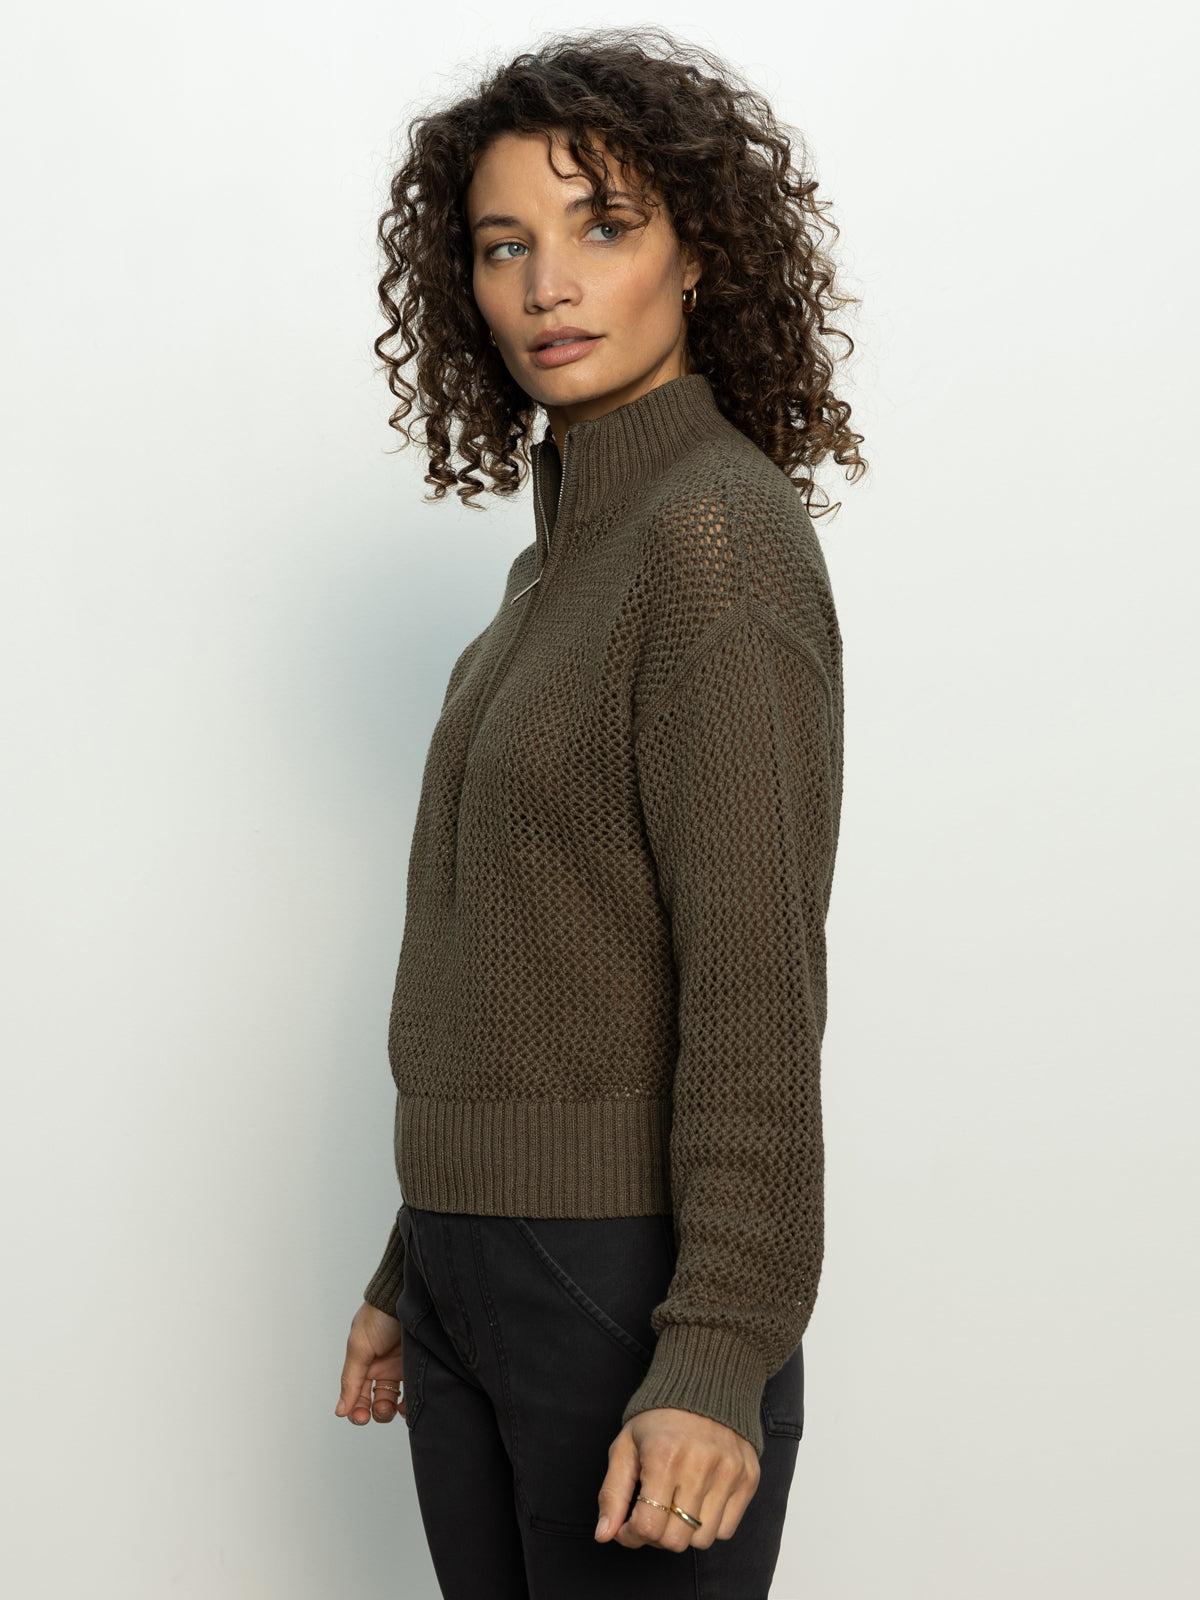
(470,1355)
(485,1290)
(414,1392)
(580,1297)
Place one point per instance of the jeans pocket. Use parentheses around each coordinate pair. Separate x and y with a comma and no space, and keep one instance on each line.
(783,1398)
(614,1269)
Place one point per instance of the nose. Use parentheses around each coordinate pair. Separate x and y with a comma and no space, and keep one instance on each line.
(549,282)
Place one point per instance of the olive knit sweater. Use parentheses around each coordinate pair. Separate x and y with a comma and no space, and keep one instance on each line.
(611,992)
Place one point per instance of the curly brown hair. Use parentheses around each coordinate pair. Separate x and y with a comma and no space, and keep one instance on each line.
(679,120)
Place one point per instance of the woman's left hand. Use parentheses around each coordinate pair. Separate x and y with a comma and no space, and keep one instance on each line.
(707,1469)
(374,1355)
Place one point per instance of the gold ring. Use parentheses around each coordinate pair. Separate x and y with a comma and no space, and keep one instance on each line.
(691,1521)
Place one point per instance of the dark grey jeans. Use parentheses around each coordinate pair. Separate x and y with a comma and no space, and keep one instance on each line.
(523,1339)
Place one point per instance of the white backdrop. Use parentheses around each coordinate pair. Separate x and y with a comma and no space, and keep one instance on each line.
(227,623)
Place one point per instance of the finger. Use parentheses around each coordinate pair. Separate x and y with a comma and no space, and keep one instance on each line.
(618,1487)
(360,1406)
(732,1491)
(733,1512)
(387,1373)
(647,1524)
(718,1512)
(652,1523)
(387,1399)
(355,1399)
(659,1525)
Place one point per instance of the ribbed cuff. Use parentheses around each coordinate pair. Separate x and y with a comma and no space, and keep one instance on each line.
(707,1370)
(384,1288)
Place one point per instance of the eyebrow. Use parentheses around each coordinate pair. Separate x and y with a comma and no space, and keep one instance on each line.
(586,202)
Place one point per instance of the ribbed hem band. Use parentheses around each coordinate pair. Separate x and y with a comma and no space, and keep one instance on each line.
(535,1158)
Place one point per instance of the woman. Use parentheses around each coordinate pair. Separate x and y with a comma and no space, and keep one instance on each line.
(608,1013)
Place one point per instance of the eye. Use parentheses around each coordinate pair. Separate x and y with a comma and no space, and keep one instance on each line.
(503,245)
(615,226)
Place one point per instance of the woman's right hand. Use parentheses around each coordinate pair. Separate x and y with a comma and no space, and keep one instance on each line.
(372,1356)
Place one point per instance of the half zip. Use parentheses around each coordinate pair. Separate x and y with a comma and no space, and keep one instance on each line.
(503,665)
(562,484)
(540,510)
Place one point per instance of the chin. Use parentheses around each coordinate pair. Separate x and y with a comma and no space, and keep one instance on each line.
(569,388)
(573,392)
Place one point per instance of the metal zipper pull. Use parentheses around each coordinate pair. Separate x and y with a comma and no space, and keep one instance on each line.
(525,590)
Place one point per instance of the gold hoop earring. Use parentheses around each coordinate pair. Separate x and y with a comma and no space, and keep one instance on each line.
(689,305)
(492,337)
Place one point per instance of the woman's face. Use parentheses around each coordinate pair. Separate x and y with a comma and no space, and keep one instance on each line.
(542,262)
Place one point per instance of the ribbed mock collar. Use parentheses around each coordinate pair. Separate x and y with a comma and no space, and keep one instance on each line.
(609,458)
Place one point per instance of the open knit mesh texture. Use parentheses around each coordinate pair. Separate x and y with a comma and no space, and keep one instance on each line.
(611,993)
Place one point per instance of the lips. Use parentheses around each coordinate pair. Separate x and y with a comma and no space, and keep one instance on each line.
(561,335)
(563,347)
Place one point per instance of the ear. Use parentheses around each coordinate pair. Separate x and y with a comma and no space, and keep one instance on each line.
(691,265)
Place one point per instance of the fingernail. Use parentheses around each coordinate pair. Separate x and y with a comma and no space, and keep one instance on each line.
(601,1527)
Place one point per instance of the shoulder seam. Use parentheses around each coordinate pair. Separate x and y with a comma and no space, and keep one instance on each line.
(744,609)
(795,641)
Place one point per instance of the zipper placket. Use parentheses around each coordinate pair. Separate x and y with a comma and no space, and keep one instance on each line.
(502,667)
(541,511)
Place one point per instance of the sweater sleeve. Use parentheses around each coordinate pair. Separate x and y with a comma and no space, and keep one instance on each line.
(388,1279)
(739,775)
